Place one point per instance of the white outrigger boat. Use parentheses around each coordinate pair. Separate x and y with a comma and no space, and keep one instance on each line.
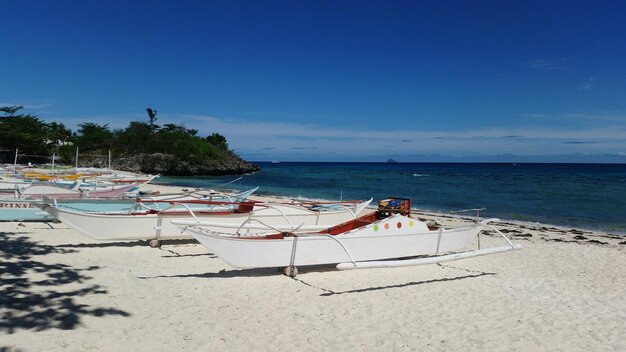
(365,242)
(21,205)
(31,210)
(38,191)
(151,201)
(154,224)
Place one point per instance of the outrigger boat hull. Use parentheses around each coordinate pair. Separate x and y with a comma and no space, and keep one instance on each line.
(40,190)
(115,227)
(395,237)
(124,205)
(148,225)
(22,210)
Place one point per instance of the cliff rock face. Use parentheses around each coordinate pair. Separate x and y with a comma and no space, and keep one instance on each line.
(166,164)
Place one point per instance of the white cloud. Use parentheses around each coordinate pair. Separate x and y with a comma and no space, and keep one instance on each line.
(29,106)
(608,116)
(311,141)
(293,141)
(245,128)
(550,64)
(588,85)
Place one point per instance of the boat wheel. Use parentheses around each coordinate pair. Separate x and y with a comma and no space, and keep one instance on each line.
(290,271)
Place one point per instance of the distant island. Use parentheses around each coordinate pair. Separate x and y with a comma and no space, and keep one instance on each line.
(145,147)
(391,161)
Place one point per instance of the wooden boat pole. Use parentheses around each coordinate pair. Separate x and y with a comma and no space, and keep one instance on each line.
(15,162)
(439,233)
(291,270)
(154,243)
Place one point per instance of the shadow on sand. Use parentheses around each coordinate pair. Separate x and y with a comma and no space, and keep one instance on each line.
(261,272)
(32,294)
(104,244)
(408,284)
(138,243)
(222,274)
(176,255)
(254,272)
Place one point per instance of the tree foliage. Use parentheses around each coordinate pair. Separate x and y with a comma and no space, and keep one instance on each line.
(152,117)
(93,137)
(34,136)
(29,134)
(218,140)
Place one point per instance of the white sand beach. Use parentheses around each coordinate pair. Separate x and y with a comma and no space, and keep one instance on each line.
(61,291)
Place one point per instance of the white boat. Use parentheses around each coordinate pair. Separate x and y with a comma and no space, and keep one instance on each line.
(153,224)
(21,210)
(9,184)
(146,202)
(38,191)
(21,205)
(12,208)
(367,241)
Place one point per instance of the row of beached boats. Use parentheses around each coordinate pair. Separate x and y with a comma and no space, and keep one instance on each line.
(21,188)
(250,234)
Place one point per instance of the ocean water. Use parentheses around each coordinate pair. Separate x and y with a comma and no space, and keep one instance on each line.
(588,196)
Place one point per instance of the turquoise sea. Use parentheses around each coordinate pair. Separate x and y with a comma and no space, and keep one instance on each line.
(587,196)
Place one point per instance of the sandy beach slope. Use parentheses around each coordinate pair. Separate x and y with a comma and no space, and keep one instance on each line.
(60,291)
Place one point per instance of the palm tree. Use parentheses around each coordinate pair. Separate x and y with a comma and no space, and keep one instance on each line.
(152,115)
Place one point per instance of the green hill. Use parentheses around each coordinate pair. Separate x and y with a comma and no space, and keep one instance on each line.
(170,149)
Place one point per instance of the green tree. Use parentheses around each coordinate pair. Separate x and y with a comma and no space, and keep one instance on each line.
(36,137)
(57,135)
(136,138)
(10,110)
(24,131)
(152,117)
(218,140)
(93,137)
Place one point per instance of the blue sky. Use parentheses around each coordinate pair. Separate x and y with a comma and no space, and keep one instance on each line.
(333,80)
